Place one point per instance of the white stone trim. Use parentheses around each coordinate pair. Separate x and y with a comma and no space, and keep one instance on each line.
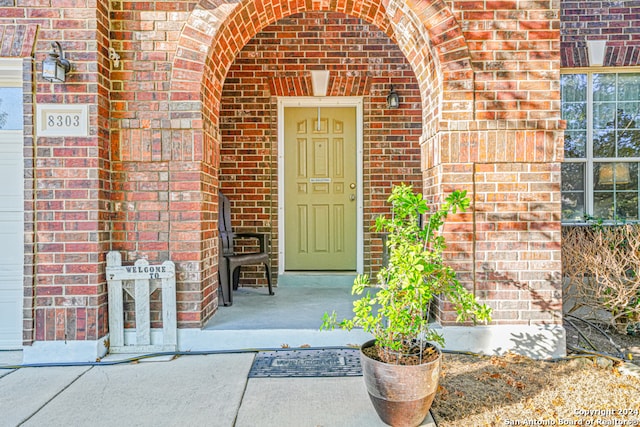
(255,339)
(596,50)
(535,341)
(65,351)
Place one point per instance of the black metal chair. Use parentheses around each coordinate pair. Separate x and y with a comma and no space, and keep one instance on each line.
(230,263)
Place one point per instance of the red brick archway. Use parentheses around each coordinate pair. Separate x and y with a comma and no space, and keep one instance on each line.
(512,126)
(425,30)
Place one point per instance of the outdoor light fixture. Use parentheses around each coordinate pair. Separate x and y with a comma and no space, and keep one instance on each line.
(393,100)
(610,170)
(55,66)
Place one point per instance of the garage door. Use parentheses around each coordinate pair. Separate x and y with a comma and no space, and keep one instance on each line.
(11,204)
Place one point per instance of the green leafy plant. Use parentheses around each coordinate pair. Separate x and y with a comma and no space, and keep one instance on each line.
(398,313)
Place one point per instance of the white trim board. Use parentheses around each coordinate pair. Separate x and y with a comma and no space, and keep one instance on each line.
(534,341)
(11,72)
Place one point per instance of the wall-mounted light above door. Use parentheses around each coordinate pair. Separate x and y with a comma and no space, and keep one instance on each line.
(393,99)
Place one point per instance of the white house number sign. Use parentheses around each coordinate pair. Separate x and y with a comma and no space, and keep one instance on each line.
(62,120)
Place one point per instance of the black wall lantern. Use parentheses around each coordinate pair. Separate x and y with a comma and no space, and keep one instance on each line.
(393,100)
(55,66)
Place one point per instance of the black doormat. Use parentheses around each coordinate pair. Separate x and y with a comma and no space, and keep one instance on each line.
(307,363)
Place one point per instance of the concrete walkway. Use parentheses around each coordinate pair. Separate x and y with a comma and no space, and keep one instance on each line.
(208,390)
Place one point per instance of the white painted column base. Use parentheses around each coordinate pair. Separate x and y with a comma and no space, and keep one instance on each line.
(535,341)
(205,340)
(65,351)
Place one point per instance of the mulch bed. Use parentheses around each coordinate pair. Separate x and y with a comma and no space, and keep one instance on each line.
(515,390)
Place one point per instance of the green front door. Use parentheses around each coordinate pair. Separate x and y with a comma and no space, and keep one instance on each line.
(320,188)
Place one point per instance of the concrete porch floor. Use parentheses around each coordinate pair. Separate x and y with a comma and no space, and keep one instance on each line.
(290,317)
(298,303)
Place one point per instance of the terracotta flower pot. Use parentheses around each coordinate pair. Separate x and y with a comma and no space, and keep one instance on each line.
(401,394)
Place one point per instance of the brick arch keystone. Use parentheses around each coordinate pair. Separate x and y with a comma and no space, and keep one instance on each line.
(425,31)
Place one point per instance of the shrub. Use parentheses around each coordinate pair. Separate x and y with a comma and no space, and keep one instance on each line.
(601,266)
(397,315)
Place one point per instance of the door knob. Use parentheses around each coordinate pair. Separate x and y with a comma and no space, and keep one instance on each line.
(352,185)
(352,197)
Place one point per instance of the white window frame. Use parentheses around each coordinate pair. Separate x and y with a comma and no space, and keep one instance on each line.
(588,160)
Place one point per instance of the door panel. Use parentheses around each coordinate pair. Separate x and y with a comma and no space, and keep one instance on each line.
(320,188)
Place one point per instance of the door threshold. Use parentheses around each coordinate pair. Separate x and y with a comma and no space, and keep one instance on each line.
(325,279)
(319,272)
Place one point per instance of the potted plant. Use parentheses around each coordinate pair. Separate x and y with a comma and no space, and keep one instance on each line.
(401,365)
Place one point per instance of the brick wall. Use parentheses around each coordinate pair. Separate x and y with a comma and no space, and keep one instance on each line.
(514,51)
(67,179)
(164,178)
(508,249)
(483,83)
(617,22)
(517,235)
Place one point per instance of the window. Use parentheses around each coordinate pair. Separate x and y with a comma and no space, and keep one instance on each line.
(602,146)
(11,108)
(11,114)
